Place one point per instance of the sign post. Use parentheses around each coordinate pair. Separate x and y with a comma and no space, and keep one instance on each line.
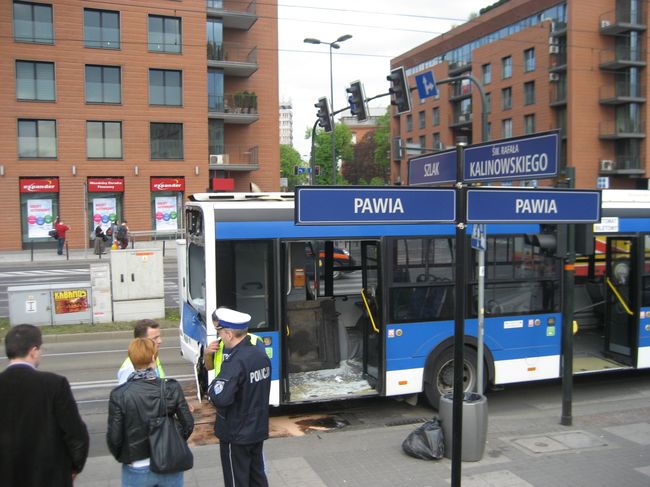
(479,243)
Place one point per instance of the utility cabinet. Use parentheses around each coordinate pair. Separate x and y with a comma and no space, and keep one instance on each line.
(138,284)
(50,304)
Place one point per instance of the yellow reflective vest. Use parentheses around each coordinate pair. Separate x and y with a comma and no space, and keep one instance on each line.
(218,355)
(159,370)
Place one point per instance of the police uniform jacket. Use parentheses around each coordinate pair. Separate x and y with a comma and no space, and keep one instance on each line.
(241,394)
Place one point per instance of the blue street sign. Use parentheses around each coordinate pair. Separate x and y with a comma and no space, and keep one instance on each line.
(526,157)
(426,85)
(433,169)
(479,239)
(367,205)
(532,205)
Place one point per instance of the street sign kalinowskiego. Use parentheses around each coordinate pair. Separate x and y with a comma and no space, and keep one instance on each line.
(433,169)
(426,84)
(378,205)
(525,157)
(532,205)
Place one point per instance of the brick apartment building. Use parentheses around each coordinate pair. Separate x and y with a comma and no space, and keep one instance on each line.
(122,109)
(574,65)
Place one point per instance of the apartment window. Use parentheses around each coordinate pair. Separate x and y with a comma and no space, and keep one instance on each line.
(506,98)
(423,141)
(488,102)
(529,124)
(165,87)
(104,140)
(437,145)
(215,136)
(422,119)
(166,140)
(487,74)
(529,60)
(34,81)
(36,139)
(33,23)
(103,84)
(164,34)
(436,116)
(506,128)
(409,123)
(529,93)
(506,67)
(101,29)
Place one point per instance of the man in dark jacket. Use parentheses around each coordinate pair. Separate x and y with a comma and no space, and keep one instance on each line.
(241,394)
(43,440)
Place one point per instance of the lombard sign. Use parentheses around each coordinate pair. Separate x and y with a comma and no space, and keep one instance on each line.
(378,205)
(515,158)
(105,185)
(533,205)
(433,169)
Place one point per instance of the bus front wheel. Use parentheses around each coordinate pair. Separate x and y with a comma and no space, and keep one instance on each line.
(440,379)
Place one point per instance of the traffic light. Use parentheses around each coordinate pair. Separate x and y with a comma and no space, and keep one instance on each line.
(295,170)
(399,88)
(324,117)
(317,170)
(552,240)
(357,100)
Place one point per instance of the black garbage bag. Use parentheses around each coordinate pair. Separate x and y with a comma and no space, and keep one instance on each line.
(427,442)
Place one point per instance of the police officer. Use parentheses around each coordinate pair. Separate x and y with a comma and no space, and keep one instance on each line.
(241,394)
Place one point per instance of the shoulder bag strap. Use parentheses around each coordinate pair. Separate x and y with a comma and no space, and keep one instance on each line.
(163,401)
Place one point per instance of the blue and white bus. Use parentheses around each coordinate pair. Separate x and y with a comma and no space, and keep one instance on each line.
(352,311)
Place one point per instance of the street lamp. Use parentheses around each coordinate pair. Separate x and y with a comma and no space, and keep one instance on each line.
(333,45)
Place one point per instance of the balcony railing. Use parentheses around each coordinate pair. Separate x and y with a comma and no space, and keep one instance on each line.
(619,93)
(235,14)
(558,59)
(623,19)
(461,119)
(622,57)
(238,103)
(460,91)
(622,129)
(625,164)
(231,52)
(558,93)
(457,67)
(235,158)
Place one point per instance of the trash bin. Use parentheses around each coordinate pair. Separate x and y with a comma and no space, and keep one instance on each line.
(474,425)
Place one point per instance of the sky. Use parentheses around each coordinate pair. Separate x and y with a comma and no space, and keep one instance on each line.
(380,29)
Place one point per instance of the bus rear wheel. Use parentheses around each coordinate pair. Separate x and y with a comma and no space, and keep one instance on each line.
(441,377)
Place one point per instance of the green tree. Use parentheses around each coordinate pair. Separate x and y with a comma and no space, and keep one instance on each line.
(382,144)
(290,158)
(323,152)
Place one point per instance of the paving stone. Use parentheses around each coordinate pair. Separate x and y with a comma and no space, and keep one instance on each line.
(637,433)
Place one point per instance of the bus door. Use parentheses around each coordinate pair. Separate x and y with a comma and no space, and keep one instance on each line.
(371,296)
(620,298)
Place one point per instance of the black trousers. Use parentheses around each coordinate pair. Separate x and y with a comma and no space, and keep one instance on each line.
(243,465)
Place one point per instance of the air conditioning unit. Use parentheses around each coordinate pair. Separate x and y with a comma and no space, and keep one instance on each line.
(553,76)
(607,165)
(465,117)
(554,49)
(216,159)
(604,24)
(553,41)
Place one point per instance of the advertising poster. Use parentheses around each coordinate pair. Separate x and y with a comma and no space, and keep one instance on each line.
(166,213)
(104,212)
(39,218)
(70,301)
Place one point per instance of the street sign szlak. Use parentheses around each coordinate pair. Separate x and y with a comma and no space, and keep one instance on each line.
(373,205)
(426,84)
(492,205)
(435,168)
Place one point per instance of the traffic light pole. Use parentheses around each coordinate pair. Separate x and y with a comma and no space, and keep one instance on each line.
(312,158)
(334,168)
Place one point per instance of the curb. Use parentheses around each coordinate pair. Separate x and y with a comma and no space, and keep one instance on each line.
(101,335)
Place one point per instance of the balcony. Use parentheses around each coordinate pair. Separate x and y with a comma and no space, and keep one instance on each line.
(558,28)
(622,165)
(460,91)
(621,93)
(622,57)
(235,158)
(622,129)
(233,59)
(459,67)
(461,121)
(238,108)
(621,20)
(234,14)
(558,94)
(558,58)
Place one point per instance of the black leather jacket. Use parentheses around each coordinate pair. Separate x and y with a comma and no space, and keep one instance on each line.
(130,407)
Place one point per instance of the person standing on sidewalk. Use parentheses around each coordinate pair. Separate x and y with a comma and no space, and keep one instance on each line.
(122,235)
(143,329)
(43,440)
(241,395)
(100,237)
(60,228)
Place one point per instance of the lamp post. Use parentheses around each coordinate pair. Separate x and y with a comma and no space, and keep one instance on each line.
(333,45)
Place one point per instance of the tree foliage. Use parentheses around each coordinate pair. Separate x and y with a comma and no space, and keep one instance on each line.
(290,158)
(323,152)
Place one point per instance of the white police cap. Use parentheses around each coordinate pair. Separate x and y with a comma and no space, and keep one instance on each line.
(229,318)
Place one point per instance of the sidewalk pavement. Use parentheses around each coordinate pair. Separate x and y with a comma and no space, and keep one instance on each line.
(50,256)
(608,445)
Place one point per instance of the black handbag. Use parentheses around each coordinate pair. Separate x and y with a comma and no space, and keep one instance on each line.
(169,452)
